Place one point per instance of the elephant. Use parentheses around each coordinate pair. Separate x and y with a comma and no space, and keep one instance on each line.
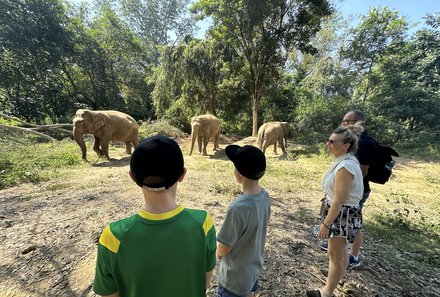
(272,132)
(205,127)
(106,126)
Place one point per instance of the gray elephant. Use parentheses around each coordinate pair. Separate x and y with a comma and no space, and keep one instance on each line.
(272,132)
(106,126)
(204,128)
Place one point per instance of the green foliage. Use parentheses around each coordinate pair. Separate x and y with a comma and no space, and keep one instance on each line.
(10,122)
(36,162)
(261,33)
(157,22)
(161,127)
(140,58)
(34,43)
(317,117)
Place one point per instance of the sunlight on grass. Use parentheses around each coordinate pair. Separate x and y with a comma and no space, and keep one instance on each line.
(402,215)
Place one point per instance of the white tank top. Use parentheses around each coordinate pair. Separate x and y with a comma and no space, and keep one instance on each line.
(351,164)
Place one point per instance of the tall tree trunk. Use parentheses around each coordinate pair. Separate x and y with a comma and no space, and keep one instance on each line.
(255,101)
(256,95)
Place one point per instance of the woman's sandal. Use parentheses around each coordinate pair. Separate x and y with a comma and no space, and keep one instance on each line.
(314,293)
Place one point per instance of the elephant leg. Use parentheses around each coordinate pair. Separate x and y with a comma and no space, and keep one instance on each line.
(216,146)
(205,144)
(104,146)
(128,147)
(265,145)
(135,141)
(96,146)
(281,143)
(275,148)
(199,141)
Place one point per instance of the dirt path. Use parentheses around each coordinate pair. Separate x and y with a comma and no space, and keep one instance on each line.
(49,234)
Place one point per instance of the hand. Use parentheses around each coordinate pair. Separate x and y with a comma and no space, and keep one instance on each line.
(324,232)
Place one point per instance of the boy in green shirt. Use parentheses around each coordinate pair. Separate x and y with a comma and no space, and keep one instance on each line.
(165,250)
(242,236)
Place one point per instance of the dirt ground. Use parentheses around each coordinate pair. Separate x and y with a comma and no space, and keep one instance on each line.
(49,234)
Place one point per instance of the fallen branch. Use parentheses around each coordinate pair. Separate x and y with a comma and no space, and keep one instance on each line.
(28,131)
(52,126)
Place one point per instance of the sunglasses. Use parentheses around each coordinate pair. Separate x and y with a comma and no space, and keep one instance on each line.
(331,141)
(345,122)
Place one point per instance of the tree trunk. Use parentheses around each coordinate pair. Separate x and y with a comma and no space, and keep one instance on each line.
(255,101)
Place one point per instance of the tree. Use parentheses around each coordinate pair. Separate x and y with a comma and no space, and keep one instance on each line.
(263,32)
(380,33)
(201,70)
(34,45)
(406,98)
(158,22)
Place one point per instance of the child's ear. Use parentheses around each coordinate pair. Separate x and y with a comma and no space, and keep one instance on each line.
(183,174)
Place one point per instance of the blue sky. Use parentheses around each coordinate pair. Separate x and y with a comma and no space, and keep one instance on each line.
(414,10)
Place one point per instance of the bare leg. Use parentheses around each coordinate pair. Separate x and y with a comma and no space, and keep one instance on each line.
(338,260)
(357,243)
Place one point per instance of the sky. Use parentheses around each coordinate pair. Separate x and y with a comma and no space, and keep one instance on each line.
(414,10)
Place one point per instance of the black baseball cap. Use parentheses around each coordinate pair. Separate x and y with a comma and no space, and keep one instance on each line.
(160,157)
(249,160)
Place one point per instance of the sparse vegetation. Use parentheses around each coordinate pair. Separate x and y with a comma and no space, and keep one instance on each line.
(401,218)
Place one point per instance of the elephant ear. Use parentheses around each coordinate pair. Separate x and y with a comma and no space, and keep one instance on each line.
(99,121)
(78,122)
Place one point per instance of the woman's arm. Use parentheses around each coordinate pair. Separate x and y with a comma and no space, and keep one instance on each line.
(342,186)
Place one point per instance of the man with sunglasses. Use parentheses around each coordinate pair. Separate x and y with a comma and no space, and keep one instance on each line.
(365,154)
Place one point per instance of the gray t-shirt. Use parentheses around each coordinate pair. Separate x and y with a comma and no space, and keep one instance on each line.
(244,229)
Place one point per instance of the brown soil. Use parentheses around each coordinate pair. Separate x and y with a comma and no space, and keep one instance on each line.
(49,233)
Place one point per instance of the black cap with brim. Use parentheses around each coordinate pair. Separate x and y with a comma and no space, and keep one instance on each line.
(159,157)
(249,160)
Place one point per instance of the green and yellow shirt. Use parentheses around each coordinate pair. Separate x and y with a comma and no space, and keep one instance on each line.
(157,255)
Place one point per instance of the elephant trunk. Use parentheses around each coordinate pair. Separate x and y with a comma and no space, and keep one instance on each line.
(193,139)
(78,136)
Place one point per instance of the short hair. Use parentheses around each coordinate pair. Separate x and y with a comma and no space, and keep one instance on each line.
(360,115)
(350,134)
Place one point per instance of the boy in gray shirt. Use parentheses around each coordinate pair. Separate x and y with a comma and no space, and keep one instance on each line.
(241,239)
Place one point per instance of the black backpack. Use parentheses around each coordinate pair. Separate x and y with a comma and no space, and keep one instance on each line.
(382,165)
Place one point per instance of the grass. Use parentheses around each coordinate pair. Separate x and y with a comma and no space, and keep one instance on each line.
(402,215)
(35,162)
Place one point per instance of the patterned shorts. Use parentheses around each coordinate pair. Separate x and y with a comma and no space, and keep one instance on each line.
(347,223)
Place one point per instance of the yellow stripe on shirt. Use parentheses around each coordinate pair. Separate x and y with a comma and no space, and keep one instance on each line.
(108,240)
(207,224)
(161,216)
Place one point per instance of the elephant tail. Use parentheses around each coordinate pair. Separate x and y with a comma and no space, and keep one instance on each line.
(139,123)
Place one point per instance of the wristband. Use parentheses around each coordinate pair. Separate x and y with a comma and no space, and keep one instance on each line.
(326,226)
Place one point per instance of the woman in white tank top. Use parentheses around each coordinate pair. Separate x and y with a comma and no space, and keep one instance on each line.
(343,187)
